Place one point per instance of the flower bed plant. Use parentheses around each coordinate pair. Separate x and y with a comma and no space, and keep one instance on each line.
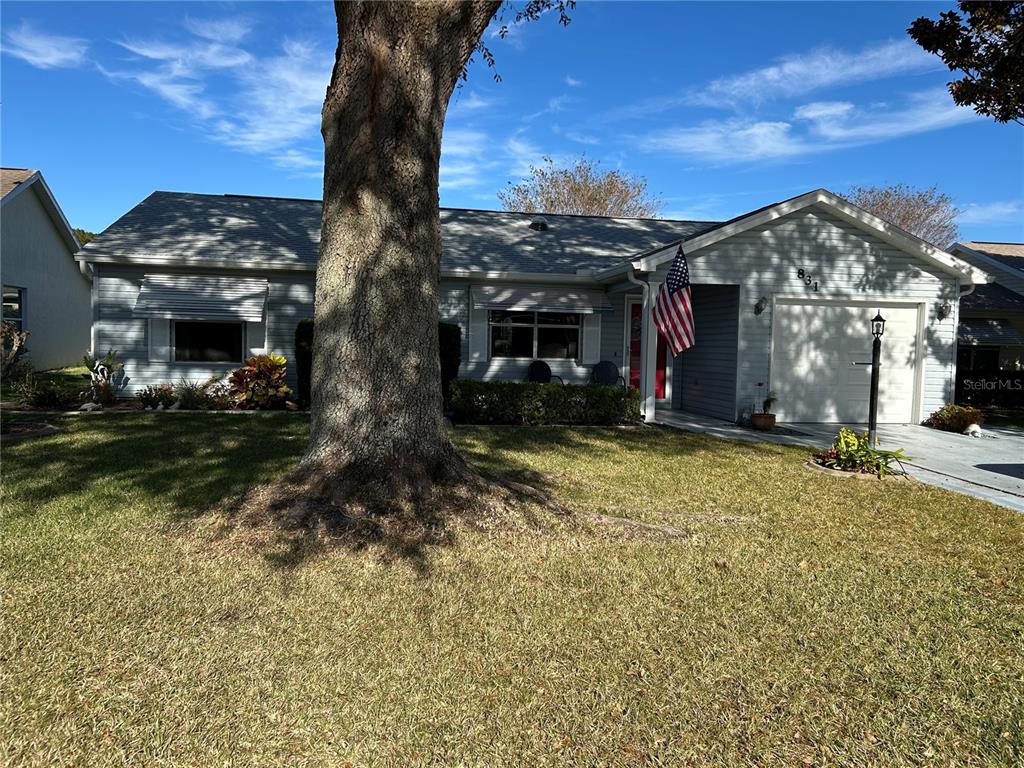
(954,418)
(852,452)
(259,384)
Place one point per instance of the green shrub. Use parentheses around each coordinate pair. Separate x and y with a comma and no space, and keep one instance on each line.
(304,359)
(449,338)
(12,352)
(852,452)
(45,394)
(954,418)
(107,378)
(512,402)
(259,384)
(161,394)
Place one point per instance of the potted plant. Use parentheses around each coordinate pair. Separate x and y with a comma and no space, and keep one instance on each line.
(764,420)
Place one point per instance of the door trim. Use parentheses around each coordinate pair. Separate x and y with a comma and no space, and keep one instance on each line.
(628,301)
(917,400)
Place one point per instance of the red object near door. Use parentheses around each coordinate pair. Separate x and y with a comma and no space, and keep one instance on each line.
(660,374)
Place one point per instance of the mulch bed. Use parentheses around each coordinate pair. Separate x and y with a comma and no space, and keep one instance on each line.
(28,429)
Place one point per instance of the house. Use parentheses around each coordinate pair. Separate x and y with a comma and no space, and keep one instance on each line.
(186,285)
(991,332)
(45,292)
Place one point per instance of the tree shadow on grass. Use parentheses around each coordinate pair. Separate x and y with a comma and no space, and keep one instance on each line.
(202,465)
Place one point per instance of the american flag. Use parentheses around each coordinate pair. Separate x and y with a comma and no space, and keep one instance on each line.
(673,310)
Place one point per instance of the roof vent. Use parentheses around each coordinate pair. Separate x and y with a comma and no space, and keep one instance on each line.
(539,224)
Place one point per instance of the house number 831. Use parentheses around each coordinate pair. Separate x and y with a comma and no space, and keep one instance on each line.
(808,280)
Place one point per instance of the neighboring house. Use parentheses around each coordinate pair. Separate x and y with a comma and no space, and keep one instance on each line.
(186,285)
(991,331)
(45,291)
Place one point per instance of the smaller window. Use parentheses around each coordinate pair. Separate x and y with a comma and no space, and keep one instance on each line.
(14,306)
(207,342)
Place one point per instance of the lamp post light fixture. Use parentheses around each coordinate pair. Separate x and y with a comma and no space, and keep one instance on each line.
(877,329)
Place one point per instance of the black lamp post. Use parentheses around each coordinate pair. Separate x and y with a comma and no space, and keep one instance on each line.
(877,329)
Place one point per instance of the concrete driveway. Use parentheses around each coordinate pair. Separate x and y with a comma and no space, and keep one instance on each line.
(990,467)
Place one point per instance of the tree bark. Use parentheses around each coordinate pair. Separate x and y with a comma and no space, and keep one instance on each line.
(376,387)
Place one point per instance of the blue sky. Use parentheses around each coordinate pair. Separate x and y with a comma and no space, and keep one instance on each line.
(722,107)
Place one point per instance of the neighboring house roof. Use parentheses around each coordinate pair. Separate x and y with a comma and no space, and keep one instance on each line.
(15,181)
(12,177)
(1009,254)
(844,209)
(987,298)
(266,232)
(977,330)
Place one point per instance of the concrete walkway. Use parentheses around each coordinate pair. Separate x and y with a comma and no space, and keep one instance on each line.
(990,467)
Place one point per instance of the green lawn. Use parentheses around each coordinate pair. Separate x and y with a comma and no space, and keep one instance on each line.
(804,620)
(72,380)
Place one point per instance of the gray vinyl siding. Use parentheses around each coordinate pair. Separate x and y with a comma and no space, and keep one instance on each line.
(116,327)
(848,263)
(613,330)
(704,376)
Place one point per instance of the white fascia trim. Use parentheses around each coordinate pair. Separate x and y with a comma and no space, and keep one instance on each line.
(152,261)
(846,211)
(988,261)
(50,204)
(480,275)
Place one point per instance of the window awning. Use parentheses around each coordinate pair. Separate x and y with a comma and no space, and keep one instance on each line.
(202,297)
(988,331)
(539,298)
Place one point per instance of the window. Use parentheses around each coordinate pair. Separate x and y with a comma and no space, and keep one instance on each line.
(207,342)
(551,335)
(14,306)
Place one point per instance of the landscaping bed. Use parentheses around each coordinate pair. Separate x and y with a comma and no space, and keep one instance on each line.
(801,620)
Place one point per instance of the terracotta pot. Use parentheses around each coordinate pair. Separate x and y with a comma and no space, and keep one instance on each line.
(762,421)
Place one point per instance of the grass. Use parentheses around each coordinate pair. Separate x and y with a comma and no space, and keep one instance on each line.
(1010,418)
(806,620)
(72,380)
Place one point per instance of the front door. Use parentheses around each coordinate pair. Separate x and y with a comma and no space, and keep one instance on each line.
(661,373)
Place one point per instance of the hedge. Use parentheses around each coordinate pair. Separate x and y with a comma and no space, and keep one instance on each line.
(449,348)
(513,402)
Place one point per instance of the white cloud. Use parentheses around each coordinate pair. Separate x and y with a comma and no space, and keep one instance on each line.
(798,74)
(193,55)
(470,102)
(42,49)
(227,30)
(813,128)
(999,212)
(279,100)
(572,82)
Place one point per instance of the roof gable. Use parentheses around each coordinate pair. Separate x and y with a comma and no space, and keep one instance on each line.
(843,209)
(15,183)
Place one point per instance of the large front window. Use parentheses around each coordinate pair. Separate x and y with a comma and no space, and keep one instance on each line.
(551,335)
(206,342)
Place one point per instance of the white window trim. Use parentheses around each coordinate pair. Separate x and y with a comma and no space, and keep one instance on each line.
(535,326)
(22,293)
(174,346)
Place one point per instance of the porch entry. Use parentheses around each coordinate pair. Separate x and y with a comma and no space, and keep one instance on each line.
(634,319)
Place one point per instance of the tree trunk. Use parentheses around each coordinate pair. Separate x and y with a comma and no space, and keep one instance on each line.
(376,387)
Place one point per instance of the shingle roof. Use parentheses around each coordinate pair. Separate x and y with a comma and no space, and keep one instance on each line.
(992,296)
(12,177)
(1011,254)
(191,228)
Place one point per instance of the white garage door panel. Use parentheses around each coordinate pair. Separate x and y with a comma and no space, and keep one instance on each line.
(814,347)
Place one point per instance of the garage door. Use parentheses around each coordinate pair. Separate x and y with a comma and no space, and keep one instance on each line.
(815,351)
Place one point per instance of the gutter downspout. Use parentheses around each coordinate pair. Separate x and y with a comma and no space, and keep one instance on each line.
(646,356)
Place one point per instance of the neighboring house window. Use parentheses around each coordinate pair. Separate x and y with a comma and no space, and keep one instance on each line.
(14,306)
(207,342)
(552,335)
